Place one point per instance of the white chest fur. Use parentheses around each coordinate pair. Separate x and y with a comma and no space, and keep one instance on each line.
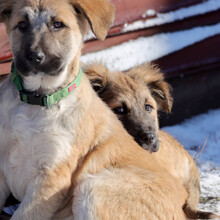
(33,138)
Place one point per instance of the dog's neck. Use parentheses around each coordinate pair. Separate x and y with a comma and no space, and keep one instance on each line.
(46,84)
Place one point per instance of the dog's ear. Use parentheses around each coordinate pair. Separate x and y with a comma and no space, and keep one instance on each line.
(161,91)
(99,13)
(159,88)
(97,75)
(5,9)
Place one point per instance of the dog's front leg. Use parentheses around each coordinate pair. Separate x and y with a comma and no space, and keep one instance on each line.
(4,191)
(43,197)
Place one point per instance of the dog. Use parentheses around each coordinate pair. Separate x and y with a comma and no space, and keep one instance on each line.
(129,95)
(63,153)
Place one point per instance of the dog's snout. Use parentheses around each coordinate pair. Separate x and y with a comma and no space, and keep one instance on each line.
(36,57)
(149,141)
(148,138)
(155,146)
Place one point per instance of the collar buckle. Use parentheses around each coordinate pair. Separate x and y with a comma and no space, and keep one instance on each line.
(33,98)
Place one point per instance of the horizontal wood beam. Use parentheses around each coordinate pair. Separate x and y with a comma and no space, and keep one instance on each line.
(198,57)
(201,20)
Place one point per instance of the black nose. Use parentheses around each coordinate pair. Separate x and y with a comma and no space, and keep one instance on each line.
(36,57)
(155,146)
(148,138)
(149,141)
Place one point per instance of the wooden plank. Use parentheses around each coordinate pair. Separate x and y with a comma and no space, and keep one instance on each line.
(5,52)
(5,68)
(201,20)
(194,75)
(129,11)
(193,59)
(193,94)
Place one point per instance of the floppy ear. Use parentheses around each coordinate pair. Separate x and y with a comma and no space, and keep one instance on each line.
(5,9)
(97,75)
(99,13)
(161,91)
(154,79)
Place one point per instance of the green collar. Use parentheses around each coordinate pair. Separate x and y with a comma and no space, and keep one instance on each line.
(43,100)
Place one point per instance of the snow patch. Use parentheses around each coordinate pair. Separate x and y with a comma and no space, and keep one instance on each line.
(89,36)
(194,132)
(180,14)
(146,49)
(149,13)
(191,134)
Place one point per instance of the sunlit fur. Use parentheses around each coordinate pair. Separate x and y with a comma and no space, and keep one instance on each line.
(135,88)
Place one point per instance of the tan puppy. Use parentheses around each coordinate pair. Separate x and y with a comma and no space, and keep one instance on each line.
(72,159)
(130,96)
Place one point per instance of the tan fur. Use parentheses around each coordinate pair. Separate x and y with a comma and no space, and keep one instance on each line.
(115,88)
(154,79)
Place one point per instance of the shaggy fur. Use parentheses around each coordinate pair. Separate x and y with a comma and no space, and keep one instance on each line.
(131,91)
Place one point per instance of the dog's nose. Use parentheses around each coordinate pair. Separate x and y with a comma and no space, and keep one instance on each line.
(148,138)
(155,146)
(36,57)
(150,142)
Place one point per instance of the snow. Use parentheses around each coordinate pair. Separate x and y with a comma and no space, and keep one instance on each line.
(89,36)
(149,13)
(210,186)
(180,14)
(193,134)
(145,49)
(10,209)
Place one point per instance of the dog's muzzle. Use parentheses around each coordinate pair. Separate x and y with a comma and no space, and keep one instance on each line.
(35,57)
(148,141)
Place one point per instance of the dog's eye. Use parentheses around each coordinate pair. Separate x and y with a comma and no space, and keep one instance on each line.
(148,108)
(23,25)
(120,110)
(57,25)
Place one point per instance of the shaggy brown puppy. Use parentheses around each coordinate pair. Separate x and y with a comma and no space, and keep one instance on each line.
(133,96)
(63,153)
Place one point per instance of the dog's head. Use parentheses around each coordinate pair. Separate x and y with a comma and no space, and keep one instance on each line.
(135,97)
(47,35)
